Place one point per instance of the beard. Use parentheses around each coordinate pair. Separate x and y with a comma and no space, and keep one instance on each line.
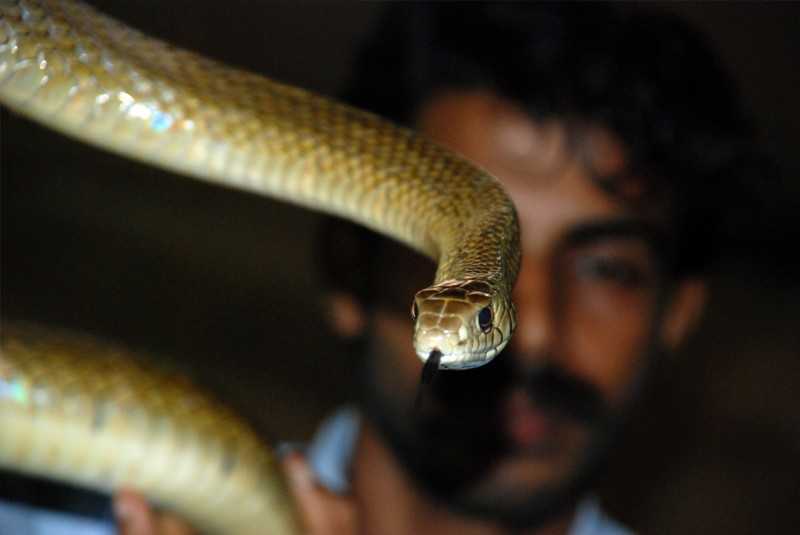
(452,440)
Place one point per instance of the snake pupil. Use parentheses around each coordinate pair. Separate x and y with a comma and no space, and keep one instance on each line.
(485,319)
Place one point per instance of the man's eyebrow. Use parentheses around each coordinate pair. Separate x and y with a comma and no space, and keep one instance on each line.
(618,228)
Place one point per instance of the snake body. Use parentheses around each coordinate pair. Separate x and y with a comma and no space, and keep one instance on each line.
(89,76)
(75,408)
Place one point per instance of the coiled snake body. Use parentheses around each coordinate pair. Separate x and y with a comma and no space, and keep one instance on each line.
(73,408)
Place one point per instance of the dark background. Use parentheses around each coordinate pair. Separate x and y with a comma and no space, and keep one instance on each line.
(224,284)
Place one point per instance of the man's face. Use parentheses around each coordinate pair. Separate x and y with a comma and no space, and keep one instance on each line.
(521,433)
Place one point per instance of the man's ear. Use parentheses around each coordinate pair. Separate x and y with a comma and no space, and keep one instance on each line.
(684,311)
(345,314)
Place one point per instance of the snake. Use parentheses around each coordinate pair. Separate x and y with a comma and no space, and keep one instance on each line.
(79,409)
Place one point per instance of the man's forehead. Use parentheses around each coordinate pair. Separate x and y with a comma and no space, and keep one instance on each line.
(494,132)
(555,172)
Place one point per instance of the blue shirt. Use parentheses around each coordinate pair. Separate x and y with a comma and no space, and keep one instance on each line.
(17,519)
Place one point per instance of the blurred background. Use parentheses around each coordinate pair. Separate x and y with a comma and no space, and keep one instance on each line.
(223,284)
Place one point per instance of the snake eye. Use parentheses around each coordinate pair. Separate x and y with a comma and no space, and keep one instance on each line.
(485,319)
(414,311)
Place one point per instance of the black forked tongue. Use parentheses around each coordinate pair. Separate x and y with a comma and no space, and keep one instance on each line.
(431,367)
(429,370)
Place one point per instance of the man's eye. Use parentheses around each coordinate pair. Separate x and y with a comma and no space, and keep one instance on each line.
(620,271)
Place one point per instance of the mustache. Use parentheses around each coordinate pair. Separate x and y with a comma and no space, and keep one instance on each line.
(456,408)
(480,390)
(559,392)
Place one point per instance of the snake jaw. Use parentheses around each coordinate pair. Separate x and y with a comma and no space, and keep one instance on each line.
(461,361)
(443,344)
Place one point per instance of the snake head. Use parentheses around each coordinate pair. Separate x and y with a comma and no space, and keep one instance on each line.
(468,321)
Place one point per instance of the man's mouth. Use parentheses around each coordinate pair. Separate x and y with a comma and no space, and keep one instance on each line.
(528,428)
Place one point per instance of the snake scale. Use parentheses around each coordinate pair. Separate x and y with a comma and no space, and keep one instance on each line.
(75,408)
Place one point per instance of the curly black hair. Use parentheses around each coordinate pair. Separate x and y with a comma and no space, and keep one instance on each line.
(648,77)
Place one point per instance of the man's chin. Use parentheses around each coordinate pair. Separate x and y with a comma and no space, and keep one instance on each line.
(519,474)
(517,508)
(525,490)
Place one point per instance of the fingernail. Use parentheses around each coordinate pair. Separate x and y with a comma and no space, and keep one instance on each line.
(283,449)
(298,473)
(122,510)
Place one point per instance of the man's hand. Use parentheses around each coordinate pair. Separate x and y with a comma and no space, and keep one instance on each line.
(323,512)
(136,517)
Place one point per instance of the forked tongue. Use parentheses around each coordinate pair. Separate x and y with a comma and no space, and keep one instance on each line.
(429,370)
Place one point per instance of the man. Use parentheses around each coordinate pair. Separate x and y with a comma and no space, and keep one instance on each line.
(611,132)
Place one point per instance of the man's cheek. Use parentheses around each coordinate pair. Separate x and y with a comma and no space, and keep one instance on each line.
(607,353)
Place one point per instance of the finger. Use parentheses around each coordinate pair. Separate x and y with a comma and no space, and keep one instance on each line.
(169,524)
(323,512)
(134,516)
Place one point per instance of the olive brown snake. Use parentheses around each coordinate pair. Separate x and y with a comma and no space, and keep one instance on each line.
(75,408)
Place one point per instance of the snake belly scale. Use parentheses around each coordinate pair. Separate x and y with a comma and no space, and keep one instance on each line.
(67,66)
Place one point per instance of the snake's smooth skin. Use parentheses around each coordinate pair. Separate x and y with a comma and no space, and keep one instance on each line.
(67,66)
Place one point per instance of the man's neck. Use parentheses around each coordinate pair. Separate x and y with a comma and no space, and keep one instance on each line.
(390,504)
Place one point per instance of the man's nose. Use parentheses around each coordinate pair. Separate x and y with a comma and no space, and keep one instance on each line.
(534,296)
